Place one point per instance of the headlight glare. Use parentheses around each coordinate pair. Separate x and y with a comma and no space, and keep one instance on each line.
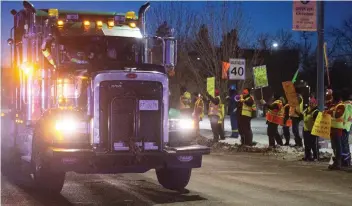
(66,125)
(186,124)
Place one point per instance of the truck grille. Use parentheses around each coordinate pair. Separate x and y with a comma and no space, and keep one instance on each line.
(123,118)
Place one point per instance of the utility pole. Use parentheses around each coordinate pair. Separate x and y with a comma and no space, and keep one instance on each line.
(320,56)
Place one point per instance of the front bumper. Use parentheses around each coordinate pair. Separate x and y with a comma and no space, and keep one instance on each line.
(89,161)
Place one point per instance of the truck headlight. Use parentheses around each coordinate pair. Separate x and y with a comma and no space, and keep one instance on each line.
(66,125)
(186,124)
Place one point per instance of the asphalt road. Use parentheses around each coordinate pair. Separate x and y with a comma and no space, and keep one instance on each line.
(239,179)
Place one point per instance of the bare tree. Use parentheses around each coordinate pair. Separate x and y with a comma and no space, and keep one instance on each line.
(285,39)
(220,38)
(342,39)
(206,39)
(183,20)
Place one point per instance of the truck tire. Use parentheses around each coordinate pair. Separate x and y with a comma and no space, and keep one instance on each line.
(174,178)
(45,178)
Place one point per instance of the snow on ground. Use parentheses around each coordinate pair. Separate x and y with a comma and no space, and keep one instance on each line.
(259,128)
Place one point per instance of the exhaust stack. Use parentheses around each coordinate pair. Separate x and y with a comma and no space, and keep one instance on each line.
(141,24)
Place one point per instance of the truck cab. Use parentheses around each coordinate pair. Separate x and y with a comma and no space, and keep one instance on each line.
(89,100)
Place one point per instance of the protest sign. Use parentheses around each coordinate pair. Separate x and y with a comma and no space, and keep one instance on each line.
(211,86)
(290,93)
(260,77)
(322,126)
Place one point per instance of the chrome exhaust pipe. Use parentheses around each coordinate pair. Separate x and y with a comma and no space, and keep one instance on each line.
(141,25)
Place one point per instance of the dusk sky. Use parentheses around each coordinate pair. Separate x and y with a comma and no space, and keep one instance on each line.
(265,16)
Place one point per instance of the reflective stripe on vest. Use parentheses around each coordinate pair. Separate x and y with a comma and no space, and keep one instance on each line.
(298,109)
(275,116)
(185,101)
(308,119)
(215,109)
(337,123)
(199,104)
(348,116)
(48,56)
(289,121)
(222,111)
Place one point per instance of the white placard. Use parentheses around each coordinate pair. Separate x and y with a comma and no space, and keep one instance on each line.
(148,105)
(237,69)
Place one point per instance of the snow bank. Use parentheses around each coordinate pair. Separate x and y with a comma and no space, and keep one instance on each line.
(260,139)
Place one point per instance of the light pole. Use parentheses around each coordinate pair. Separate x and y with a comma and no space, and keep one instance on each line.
(320,56)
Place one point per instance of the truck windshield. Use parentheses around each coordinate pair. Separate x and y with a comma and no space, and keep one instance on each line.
(101,52)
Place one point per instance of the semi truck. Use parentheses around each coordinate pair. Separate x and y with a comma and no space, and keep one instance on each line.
(87,98)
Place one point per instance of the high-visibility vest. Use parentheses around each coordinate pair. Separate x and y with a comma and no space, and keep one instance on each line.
(48,56)
(289,121)
(298,109)
(247,110)
(275,116)
(78,61)
(185,101)
(199,104)
(348,116)
(222,111)
(337,123)
(215,110)
(308,119)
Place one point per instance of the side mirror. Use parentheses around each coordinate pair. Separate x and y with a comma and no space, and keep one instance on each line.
(10,41)
(170,52)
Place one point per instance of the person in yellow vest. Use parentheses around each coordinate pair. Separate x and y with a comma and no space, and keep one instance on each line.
(185,102)
(346,154)
(287,123)
(310,141)
(336,110)
(245,110)
(198,112)
(296,116)
(215,114)
(274,118)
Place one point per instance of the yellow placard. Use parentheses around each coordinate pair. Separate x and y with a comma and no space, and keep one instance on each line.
(260,77)
(290,93)
(211,86)
(322,126)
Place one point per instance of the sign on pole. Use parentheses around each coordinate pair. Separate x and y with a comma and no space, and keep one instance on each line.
(304,16)
(260,77)
(211,86)
(237,69)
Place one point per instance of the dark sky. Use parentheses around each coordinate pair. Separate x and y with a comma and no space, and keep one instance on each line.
(264,16)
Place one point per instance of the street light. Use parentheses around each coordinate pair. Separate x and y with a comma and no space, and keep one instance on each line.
(275,45)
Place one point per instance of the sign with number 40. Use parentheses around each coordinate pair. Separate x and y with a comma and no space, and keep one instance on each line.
(237,69)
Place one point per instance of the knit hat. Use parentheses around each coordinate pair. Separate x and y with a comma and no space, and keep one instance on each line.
(313,101)
(217,92)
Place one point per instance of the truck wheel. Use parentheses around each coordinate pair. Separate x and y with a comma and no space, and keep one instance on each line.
(44,177)
(174,178)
